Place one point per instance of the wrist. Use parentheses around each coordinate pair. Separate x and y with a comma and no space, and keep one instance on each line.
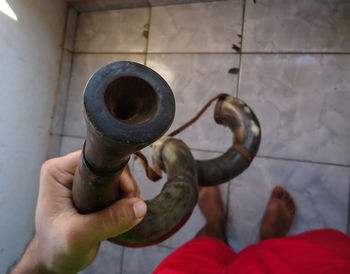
(29,262)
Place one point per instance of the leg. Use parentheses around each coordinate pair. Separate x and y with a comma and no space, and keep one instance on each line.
(278,216)
(211,206)
(209,254)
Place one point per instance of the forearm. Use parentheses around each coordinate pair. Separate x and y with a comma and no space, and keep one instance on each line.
(29,263)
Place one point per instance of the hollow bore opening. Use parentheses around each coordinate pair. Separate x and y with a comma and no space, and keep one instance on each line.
(131,100)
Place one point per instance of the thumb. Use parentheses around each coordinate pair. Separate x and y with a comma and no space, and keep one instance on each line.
(115,219)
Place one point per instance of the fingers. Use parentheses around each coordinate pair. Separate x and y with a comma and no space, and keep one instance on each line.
(69,162)
(61,169)
(113,220)
(128,184)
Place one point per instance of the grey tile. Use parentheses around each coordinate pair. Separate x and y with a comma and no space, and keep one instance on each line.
(199,27)
(71,27)
(302,102)
(55,146)
(70,144)
(150,189)
(112,31)
(320,192)
(143,260)
(178,2)
(297,26)
(108,260)
(84,65)
(194,79)
(84,6)
(62,94)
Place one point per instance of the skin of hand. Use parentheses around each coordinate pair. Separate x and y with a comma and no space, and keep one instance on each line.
(66,241)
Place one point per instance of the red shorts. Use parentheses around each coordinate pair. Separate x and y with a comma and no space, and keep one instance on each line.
(318,251)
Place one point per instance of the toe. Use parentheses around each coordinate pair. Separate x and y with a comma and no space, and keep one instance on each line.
(292,211)
(277,192)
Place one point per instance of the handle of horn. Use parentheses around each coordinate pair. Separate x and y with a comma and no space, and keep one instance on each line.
(127,106)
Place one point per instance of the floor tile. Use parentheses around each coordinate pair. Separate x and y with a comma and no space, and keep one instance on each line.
(114,31)
(84,65)
(302,102)
(62,94)
(71,27)
(143,260)
(70,144)
(195,79)
(177,2)
(199,27)
(321,194)
(84,6)
(55,146)
(297,26)
(108,260)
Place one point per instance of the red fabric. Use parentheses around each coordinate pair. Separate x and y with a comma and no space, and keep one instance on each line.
(318,251)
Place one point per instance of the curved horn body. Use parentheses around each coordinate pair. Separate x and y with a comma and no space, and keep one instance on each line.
(169,210)
(241,120)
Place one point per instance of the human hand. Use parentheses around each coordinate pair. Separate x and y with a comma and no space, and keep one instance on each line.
(66,241)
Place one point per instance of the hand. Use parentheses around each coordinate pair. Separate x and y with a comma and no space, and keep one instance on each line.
(66,241)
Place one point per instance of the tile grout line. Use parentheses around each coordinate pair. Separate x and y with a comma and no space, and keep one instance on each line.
(240,53)
(214,53)
(348,221)
(66,103)
(227,204)
(295,53)
(149,32)
(258,156)
(122,260)
(277,158)
(139,52)
(166,246)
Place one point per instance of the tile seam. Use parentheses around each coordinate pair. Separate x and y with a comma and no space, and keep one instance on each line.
(278,158)
(348,215)
(149,33)
(240,53)
(136,52)
(122,260)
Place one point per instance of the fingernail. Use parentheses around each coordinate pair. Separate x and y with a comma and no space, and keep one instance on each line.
(140,209)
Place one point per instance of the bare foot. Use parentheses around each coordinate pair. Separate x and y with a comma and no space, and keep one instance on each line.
(278,216)
(210,204)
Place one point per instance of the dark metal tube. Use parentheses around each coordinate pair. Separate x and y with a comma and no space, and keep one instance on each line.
(127,106)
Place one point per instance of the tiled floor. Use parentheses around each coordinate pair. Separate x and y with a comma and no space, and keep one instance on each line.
(294,69)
